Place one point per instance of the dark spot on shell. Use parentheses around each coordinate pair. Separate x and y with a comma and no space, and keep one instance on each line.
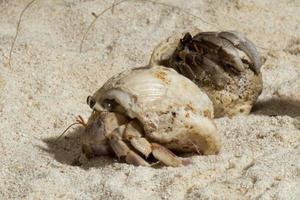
(189,107)
(174,114)
(207,114)
(169,129)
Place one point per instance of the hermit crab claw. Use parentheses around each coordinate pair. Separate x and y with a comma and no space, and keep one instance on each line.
(216,46)
(244,44)
(93,140)
(224,43)
(150,111)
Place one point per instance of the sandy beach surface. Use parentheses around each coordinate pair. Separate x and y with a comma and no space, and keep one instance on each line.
(48,81)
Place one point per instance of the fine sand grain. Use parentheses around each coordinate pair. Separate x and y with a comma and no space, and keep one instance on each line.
(49,79)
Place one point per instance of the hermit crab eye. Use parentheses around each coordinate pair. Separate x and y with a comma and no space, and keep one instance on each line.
(109,104)
(90,101)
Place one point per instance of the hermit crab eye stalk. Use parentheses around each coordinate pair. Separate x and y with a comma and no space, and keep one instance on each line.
(94,105)
(91,101)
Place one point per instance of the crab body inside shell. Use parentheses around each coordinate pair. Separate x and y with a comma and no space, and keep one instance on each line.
(226,65)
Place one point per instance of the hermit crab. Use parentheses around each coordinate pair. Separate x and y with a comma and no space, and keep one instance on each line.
(150,111)
(226,65)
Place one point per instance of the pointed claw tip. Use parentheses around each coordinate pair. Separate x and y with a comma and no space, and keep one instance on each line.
(240,41)
(135,159)
(165,156)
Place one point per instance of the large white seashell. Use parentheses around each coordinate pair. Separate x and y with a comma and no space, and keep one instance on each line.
(174,112)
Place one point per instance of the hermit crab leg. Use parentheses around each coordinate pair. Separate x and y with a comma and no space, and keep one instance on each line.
(135,159)
(212,68)
(224,48)
(133,134)
(121,149)
(245,45)
(165,156)
(185,69)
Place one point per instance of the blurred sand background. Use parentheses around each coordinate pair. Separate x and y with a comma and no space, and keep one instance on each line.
(49,79)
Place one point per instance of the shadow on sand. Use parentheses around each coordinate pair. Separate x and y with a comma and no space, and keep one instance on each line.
(67,150)
(277,107)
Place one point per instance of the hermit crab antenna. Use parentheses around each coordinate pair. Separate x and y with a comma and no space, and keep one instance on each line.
(79,121)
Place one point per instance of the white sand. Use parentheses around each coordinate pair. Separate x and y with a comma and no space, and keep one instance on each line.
(49,80)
